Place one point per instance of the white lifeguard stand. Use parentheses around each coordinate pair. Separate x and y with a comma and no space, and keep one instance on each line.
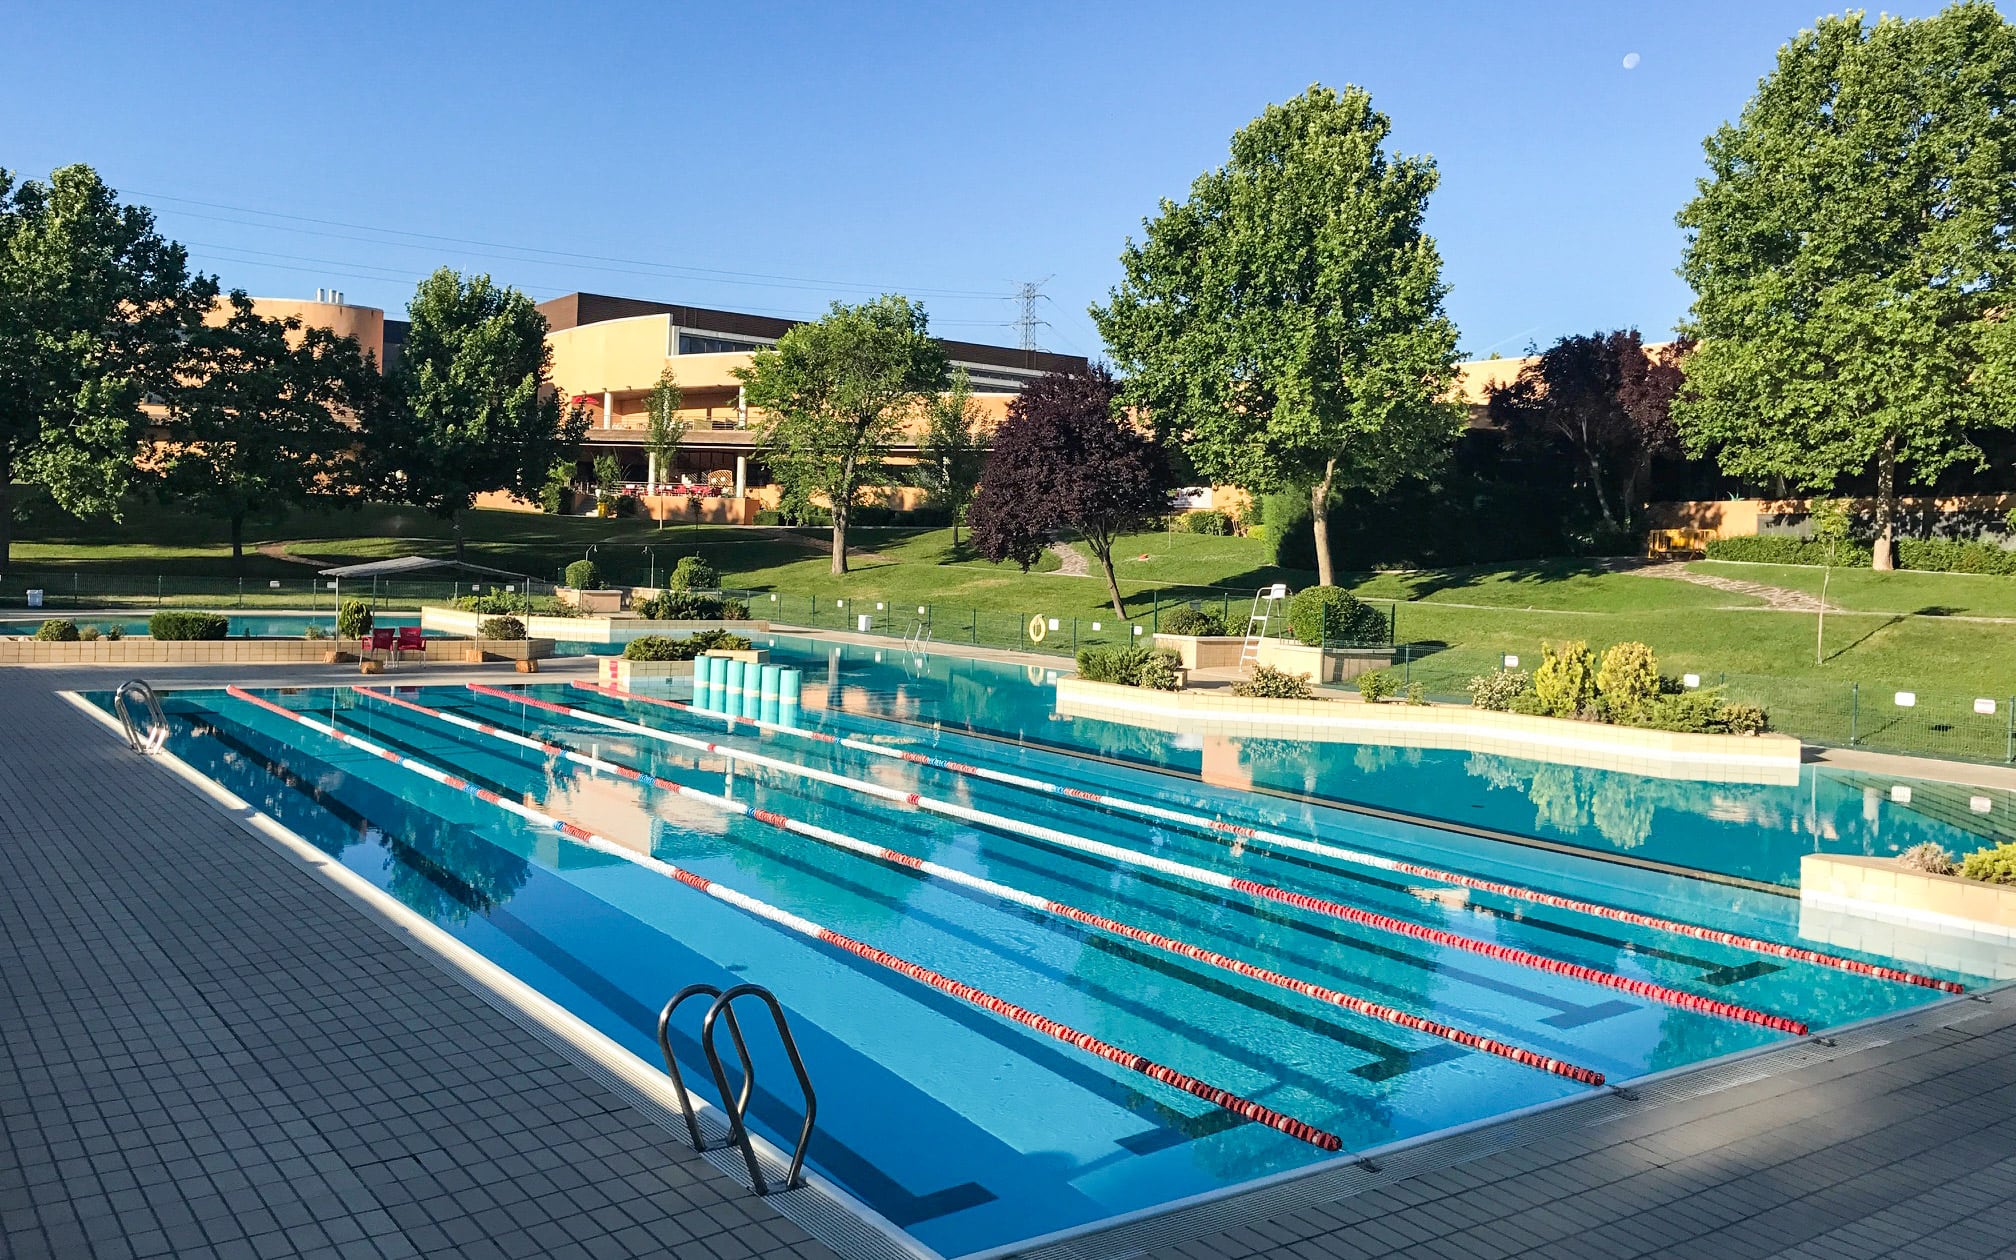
(1266,604)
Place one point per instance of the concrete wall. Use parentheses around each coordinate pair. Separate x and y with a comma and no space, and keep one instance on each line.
(1741,518)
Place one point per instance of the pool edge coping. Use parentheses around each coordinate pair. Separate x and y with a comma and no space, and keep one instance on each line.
(600,1057)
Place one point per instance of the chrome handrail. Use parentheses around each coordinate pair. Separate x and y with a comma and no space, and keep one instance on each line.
(157,733)
(736,1103)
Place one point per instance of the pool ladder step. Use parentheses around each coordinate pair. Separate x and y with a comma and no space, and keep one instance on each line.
(149,740)
(735,1104)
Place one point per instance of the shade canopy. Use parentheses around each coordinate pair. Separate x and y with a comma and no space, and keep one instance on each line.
(408,566)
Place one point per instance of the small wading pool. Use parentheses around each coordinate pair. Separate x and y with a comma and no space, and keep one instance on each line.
(1082,989)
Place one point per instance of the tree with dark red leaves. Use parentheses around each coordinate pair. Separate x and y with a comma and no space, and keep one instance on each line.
(1606,400)
(1067,459)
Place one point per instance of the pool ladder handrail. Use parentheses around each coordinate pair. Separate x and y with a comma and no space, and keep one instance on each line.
(736,1106)
(919,637)
(156,734)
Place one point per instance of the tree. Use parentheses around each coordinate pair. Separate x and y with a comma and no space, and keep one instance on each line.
(837,393)
(1830,523)
(663,429)
(1850,252)
(261,419)
(475,409)
(955,449)
(94,304)
(1607,400)
(1285,324)
(1068,458)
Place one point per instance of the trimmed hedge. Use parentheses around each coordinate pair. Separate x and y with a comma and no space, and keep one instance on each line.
(188,625)
(694,574)
(501,628)
(1192,621)
(1926,555)
(1209,523)
(1130,667)
(1330,616)
(1938,555)
(584,575)
(57,630)
(659,647)
(1785,549)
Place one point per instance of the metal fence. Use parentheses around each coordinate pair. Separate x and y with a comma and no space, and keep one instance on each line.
(78,590)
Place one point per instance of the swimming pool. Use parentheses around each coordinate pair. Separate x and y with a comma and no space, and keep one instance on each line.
(256,625)
(1310,982)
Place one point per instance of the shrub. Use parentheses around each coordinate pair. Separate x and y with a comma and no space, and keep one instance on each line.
(719,641)
(1690,712)
(1192,621)
(626,505)
(1331,616)
(1940,555)
(1991,866)
(114,633)
(1566,679)
(1160,671)
(1929,856)
(353,619)
(734,610)
(1528,704)
(314,632)
(658,647)
(1628,677)
(500,628)
(1417,694)
(1497,690)
(188,625)
(1743,719)
(1377,685)
(1268,683)
(1785,549)
(682,606)
(1213,524)
(88,634)
(693,574)
(584,575)
(57,630)
(1097,664)
(769,516)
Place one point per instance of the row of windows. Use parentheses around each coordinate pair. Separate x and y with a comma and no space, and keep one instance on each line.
(707,343)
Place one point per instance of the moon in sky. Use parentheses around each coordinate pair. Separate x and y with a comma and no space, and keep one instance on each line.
(1630,61)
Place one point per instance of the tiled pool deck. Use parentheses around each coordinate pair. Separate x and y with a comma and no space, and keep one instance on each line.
(219,1056)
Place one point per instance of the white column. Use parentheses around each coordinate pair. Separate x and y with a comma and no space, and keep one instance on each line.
(608,409)
(651,478)
(741,475)
(741,407)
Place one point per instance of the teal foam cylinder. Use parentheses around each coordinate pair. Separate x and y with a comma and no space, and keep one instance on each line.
(731,690)
(767,681)
(790,685)
(768,713)
(709,674)
(789,714)
(752,692)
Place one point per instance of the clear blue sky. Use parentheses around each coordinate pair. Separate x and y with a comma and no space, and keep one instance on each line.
(822,151)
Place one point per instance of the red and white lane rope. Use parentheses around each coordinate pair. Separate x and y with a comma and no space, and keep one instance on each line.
(1020,897)
(1649,990)
(1217,828)
(1245,1107)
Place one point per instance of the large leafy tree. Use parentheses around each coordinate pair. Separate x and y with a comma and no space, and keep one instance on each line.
(663,429)
(474,409)
(955,449)
(94,305)
(1851,255)
(1606,401)
(262,418)
(1068,458)
(836,393)
(1285,322)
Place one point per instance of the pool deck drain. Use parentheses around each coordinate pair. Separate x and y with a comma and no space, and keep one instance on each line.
(216,1055)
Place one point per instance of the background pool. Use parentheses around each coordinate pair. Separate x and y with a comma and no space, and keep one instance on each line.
(256,625)
(966,1129)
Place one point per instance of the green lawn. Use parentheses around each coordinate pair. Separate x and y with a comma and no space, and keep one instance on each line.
(1896,631)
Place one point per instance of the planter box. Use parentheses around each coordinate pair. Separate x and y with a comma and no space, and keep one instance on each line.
(617,672)
(599,602)
(1881,888)
(754,656)
(579,629)
(1198,651)
(1664,754)
(1322,665)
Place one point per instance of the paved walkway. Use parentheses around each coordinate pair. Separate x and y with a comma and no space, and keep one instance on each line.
(208,1052)
(1778,598)
(1071,562)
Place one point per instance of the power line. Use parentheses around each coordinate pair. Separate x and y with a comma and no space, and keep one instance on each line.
(1031,292)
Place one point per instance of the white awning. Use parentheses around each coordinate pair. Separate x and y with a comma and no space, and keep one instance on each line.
(408,566)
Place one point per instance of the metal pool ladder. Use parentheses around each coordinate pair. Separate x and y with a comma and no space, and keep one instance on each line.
(150,739)
(737,1105)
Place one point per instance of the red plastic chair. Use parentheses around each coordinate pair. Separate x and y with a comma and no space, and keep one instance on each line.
(410,640)
(381,641)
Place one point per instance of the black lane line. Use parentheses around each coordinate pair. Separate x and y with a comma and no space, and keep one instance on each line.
(848,1166)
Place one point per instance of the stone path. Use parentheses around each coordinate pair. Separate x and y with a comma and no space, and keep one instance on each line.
(278,551)
(1071,562)
(1780,598)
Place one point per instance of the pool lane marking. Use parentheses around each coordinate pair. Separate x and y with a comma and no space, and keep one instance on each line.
(1017,896)
(1246,1107)
(1216,827)
(1650,990)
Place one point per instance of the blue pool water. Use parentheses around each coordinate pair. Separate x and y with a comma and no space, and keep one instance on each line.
(971,1131)
(256,625)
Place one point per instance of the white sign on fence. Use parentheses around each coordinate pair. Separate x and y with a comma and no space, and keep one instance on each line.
(1984,706)
(273,585)
(1510,661)
(35,599)
(1907,699)
(1690,680)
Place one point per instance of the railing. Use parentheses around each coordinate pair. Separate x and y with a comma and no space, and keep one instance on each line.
(64,592)
(155,735)
(736,1103)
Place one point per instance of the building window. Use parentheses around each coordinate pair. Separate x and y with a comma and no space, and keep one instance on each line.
(708,343)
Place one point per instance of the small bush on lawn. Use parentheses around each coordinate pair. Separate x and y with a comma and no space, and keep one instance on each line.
(1268,683)
(1211,524)
(1991,866)
(693,574)
(1929,856)
(1378,685)
(188,625)
(1329,616)
(353,619)
(584,575)
(1194,621)
(57,630)
(1499,688)
(683,606)
(1566,679)
(501,628)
